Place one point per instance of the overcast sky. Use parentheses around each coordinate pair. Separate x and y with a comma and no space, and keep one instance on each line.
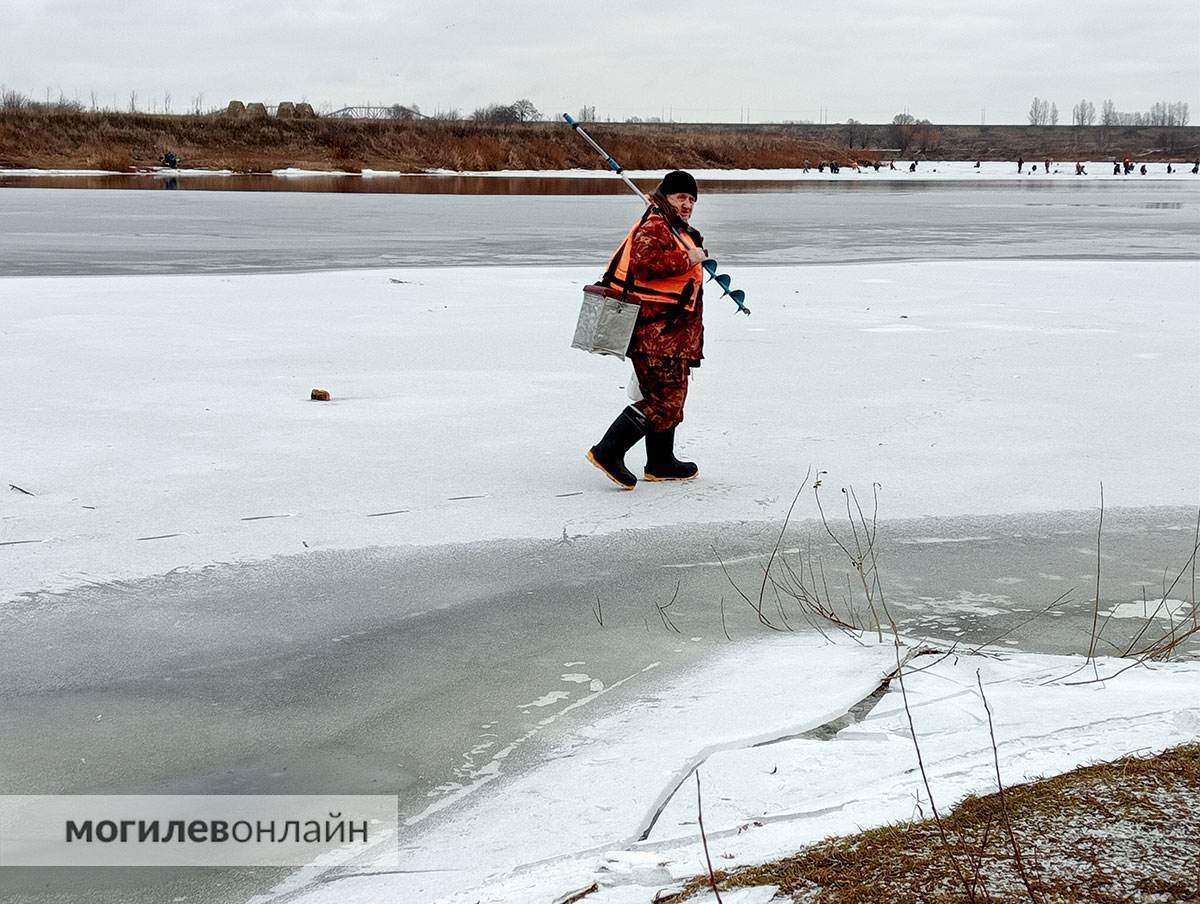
(721,60)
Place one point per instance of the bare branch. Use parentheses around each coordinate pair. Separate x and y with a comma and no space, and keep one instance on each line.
(712,879)
(1012,838)
(1096,604)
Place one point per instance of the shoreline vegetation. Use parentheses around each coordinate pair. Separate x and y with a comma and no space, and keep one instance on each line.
(42,138)
(1119,831)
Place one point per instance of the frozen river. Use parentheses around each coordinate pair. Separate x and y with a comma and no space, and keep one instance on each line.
(63,231)
(371,666)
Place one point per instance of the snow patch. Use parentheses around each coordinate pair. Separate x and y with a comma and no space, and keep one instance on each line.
(1168,609)
(546,700)
(763,802)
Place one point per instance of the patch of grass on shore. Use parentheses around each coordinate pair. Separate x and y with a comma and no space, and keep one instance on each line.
(1117,832)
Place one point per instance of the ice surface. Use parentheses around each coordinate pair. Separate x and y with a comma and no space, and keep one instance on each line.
(164,422)
(576,819)
(936,170)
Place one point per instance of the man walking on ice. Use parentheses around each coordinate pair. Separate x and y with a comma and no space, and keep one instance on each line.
(662,270)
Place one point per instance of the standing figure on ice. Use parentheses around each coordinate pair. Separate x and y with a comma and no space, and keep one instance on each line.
(662,271)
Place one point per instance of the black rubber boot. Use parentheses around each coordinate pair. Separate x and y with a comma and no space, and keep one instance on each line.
(661,463)
(609,454)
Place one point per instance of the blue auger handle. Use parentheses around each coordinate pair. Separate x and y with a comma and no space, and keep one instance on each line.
(612,164)
(737,295)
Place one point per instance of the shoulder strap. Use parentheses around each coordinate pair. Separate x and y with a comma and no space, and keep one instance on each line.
(611,272)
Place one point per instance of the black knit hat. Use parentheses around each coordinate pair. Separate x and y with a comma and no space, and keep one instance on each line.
(678,182)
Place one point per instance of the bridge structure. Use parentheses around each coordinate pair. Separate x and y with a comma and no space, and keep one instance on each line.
(395,111)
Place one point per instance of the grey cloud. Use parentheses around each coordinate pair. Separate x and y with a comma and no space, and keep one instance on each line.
(708,59)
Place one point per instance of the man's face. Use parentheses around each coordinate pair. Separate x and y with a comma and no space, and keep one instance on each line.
(683,203)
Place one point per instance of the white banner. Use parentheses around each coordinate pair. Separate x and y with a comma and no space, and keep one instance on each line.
(192,830)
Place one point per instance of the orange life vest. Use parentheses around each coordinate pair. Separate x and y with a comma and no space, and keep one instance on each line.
(679,289)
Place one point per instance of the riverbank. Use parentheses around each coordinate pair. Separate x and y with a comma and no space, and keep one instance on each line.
(1125,830)
(120,142)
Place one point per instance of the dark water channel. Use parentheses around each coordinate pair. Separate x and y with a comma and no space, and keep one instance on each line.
(273,224)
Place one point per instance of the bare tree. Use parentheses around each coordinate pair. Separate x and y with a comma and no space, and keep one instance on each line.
(1084,113)
(526,111)
(1168,114)
(587,113)
(926,136)
(496,114)
(403,113)
(132,101)
(1039,112)
(1054,114)
(15,100)
(167,101)
(1161,113)
(856,133)
(1108,113)
(902,130)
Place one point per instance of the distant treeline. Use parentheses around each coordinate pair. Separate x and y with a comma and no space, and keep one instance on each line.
(51,136)
(910,137)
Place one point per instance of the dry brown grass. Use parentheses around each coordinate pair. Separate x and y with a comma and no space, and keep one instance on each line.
(74,139)
(1117,832)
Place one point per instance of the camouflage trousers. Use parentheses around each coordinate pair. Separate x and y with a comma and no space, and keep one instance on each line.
(664,385)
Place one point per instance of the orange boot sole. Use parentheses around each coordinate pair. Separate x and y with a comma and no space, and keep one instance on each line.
(651,477)
(590,457)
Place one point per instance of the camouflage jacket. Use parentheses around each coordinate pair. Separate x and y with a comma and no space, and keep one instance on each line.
(665,330)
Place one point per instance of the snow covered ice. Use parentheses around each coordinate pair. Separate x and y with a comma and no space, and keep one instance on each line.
(177,408)
(581,816)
